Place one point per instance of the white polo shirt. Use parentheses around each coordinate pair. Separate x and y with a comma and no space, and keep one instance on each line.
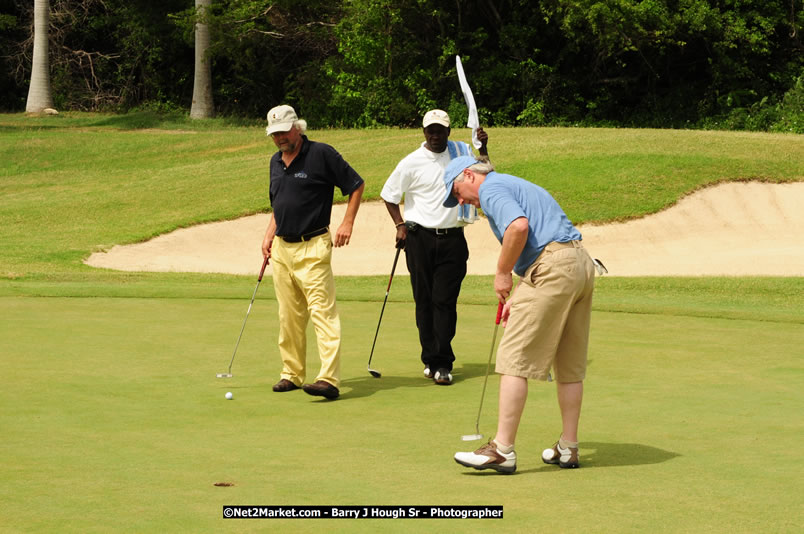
(419,178)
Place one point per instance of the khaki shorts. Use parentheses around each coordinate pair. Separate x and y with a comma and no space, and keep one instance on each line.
(548,325)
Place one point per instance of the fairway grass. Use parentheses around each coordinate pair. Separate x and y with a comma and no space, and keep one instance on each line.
(113,420)
(80,183)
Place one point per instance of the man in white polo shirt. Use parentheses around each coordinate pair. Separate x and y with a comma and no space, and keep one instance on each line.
(435,247)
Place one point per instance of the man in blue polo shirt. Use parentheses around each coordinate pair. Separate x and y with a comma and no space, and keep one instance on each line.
(547,318)
(304,175)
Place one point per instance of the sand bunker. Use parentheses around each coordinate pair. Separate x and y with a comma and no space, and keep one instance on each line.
(735,229)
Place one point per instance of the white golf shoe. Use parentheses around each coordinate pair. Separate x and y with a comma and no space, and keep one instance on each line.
(488,457)
(565,457)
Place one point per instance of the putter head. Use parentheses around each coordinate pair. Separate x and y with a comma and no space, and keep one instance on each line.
(472,437)
(375,374)
(223,375)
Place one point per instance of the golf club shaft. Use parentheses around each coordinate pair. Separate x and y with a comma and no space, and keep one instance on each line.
(259,279)
(488,365)
(387,290)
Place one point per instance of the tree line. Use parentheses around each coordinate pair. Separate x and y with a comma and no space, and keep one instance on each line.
(364,63)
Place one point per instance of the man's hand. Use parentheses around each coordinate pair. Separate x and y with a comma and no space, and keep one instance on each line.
(401,235)
(503,283)
(266,247)
(343,234)
(505,313)
(483,137)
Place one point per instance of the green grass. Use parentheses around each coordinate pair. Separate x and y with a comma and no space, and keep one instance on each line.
(85,182)
(112,418)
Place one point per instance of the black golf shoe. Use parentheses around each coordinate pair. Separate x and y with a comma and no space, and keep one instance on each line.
(442,377)
(321,389)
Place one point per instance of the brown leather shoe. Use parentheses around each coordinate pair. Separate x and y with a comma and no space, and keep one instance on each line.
(285,385)
(322,389)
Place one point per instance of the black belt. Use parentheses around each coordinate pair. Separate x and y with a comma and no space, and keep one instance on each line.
(412,226)
(304,237)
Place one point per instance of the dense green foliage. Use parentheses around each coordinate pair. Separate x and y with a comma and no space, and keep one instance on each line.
(357,63)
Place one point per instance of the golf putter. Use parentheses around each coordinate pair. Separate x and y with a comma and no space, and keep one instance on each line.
(477,435)
(228,374)
(373,372)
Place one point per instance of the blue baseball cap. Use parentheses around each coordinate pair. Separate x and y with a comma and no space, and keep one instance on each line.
(454,169)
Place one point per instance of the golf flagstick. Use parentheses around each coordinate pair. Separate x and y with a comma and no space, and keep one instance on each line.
(472,121)
(228,374)
(374,373)
(477,434)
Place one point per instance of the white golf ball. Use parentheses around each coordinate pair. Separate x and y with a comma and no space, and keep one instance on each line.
(547,454)
(229,395)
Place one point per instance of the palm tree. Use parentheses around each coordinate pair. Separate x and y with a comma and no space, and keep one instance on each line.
(203,107)
(39,93)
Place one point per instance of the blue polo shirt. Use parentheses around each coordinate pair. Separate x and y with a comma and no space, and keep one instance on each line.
(301,194)
(505,198)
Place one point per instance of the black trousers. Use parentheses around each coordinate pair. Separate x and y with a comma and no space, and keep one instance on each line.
(437,266)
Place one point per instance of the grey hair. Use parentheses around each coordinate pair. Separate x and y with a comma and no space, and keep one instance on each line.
(299,124)
(481,167)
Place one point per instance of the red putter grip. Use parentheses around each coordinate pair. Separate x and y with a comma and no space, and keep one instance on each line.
(499,312)
(262,271)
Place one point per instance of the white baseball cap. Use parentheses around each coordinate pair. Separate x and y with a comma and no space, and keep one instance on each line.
(281,119)
(436,116)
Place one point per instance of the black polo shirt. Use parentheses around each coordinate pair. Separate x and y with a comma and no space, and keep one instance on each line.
(301,194)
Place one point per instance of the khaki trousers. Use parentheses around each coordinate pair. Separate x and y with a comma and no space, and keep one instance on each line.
(305,289)
(548,325)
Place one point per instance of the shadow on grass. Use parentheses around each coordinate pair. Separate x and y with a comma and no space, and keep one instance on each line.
(141,119)
(131,120)
(598,454)
(468,371)
(364,386)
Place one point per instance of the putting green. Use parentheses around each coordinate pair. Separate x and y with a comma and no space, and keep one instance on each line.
(113,420)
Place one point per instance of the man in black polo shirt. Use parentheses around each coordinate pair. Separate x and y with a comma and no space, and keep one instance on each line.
(304,175)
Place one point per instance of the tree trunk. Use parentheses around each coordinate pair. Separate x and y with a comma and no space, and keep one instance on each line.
(203,107)
(39,93)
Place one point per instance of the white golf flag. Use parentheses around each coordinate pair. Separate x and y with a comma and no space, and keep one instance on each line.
(472,122)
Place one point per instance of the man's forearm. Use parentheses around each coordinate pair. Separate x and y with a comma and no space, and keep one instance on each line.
(514,239)
(354,204)
(394,212)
